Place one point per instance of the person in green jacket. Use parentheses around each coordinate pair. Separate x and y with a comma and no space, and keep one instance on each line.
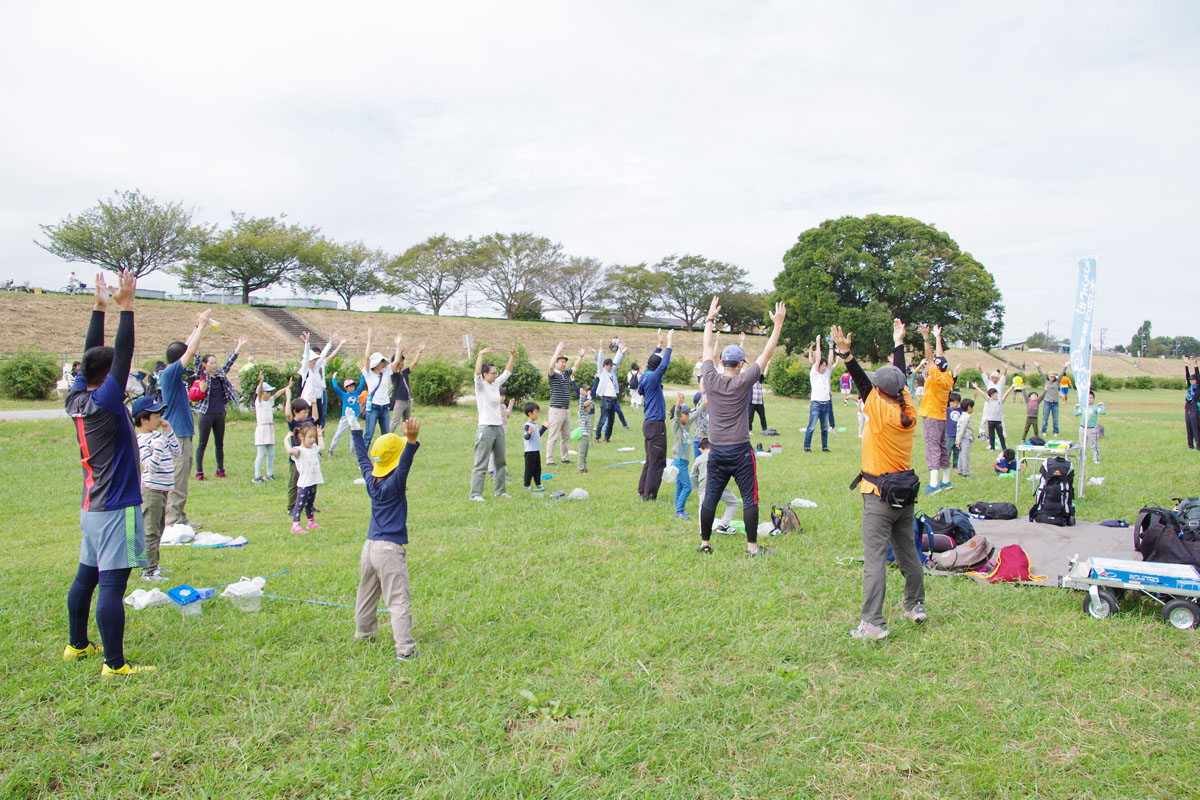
(1091,423)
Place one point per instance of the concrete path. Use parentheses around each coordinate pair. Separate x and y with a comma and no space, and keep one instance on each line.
(37,413)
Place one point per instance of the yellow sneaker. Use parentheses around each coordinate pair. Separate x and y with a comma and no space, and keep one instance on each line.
(77,653)
(129,669)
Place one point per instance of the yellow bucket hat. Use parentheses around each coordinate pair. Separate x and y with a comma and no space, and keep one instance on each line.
(385,454)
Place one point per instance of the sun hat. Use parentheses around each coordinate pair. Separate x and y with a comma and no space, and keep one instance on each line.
(733,353)
(313,355)
(385,454)
(376,359)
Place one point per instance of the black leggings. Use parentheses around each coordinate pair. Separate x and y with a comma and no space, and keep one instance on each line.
(1191,419)
(215,424)
(533,467)
(110,610)
(996,428)
(762,415)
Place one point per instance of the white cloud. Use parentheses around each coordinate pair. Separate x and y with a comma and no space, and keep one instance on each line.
(628,131)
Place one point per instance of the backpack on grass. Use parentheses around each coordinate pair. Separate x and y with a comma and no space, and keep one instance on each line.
(971,553)
(784,519)
(1012,566)
(1187,514)
(1054,500)
(1156,537)
(993,510)
(952,522)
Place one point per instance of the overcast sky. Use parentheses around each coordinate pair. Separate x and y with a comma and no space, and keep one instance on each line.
(1032,133)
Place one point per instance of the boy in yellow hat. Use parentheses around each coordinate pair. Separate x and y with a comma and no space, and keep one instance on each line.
(383,566)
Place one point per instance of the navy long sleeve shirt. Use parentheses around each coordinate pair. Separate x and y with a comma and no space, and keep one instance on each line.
(389,498)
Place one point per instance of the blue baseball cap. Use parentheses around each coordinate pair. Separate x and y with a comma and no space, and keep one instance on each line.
(147,404)
(733,353)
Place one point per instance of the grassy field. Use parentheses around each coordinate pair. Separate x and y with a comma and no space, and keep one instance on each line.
(690,676)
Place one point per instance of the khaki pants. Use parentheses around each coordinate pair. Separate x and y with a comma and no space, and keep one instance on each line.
(383,571)
(558,430)
(401,410)
(177,497)
(154,506)
(883,525)
(489,440)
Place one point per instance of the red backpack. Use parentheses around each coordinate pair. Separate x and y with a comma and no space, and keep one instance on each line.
(1011,566)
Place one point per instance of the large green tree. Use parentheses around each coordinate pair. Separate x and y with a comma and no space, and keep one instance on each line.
(576,286)
(743,310)
(432,272)
(514,267)
(633,292)
(860,273)
(689,283)
(132,232)
(1141,339)
(348,269)
(251,254)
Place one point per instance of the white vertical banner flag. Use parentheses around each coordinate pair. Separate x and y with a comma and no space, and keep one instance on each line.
(1081,348)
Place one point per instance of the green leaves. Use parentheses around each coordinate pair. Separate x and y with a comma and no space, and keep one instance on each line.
(132,233)
(862,272)
(546,707)
(252,254)
(348,270)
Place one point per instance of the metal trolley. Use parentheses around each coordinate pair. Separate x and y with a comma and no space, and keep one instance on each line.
(1176,587)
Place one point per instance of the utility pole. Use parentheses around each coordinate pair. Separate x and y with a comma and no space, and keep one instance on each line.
(1102,332)
(1048,327)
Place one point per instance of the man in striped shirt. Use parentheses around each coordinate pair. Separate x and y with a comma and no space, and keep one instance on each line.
(158,448)
(559,424)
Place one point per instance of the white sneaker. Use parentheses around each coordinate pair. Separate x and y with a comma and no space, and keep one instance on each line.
(917,614)
(866,630)
(154,576)
(478,498)
(504,494)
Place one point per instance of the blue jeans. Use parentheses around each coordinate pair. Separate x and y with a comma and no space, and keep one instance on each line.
(604,425)
(818,411)
(683,485)
(1048,408)
(829,413)
(382,414)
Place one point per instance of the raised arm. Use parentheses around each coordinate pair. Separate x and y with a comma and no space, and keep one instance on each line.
(193,340)
(938,351)
(558,351)
(768,352)
(95,331)
(341,340)
(512,358)
(578,359)
(483,351)
(285,390)
(898,331)
(398,356)
(924,329)
(714,308)
(287,402)
(841,343)
(233,356)
(417,357)
(367,353)
(123,343)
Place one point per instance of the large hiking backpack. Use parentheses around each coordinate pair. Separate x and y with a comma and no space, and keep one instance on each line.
(994,510)
(1054,500)
(967,555)
(1156,537)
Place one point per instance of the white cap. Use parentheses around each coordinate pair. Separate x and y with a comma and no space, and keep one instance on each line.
(377,359)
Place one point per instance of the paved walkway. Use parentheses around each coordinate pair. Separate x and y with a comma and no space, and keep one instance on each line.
(37,413)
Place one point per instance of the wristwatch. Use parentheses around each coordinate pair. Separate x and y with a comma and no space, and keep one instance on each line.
(840,354)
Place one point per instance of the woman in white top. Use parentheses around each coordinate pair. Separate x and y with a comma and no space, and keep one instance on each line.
(820,407)
(264,428)
(631,380)
(377,382)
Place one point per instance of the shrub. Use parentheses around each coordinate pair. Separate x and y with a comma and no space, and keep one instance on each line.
(1140,382)
(1034,381)
(586,373)
(526,381)
(1177,384)
(1103,383)
(679,371)
(28,376)
(789,377)
(247,380)
(437,383)
(969,375)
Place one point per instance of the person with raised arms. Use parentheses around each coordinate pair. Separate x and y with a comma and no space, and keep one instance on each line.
(730,454)
(113,530)
(215,393)
(179,414)
(887,483)
(401,388)
(608,392)
(559,423)
(489,439)
(933,409)
(654,418)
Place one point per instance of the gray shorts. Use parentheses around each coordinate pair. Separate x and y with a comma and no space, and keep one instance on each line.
(113,539)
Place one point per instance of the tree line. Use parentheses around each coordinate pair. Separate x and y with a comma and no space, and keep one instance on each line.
(520,273)
(859,272)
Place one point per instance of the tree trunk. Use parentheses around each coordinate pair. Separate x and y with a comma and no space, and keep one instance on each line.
(245,294)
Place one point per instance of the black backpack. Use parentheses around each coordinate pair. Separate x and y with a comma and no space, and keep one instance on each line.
(1156,537)
(633,382)
(1054,500)
(1187,514)
(994,510)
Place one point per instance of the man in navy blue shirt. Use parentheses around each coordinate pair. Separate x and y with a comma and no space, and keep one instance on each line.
(179,414)
(654,419)
(113,533)
(383,566)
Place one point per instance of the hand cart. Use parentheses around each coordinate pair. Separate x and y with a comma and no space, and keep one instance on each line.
(1176,587)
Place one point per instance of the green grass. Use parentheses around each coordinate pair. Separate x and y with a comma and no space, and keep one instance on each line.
(695,677)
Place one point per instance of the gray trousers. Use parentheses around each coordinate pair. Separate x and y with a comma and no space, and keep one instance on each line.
(343,426)
(1093,443)
(401,410)
(581,449)
(177,497)
(883,525)
(489,440)
(964,456)
(383,572)
(154,506)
